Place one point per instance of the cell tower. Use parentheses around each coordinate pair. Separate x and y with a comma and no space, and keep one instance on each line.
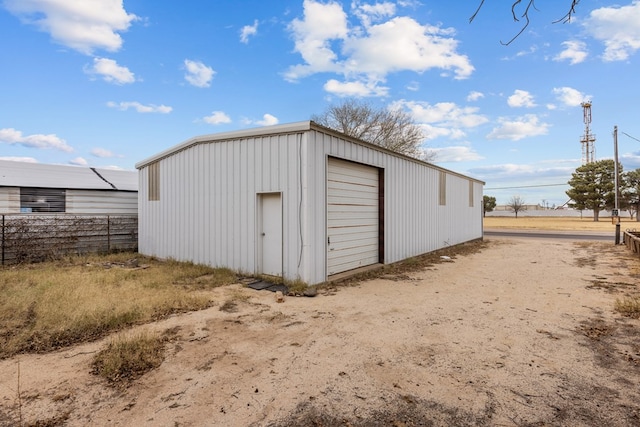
(588,140)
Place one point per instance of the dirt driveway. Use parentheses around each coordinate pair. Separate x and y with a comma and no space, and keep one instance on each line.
(522,333)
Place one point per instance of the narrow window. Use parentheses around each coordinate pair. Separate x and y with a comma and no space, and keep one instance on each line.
(471,201)
(154,181)
(442,193)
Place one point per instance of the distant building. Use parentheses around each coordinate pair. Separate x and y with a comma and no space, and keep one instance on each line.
(43,188)
(299,201)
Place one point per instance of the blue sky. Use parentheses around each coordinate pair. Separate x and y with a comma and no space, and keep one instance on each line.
(107,83)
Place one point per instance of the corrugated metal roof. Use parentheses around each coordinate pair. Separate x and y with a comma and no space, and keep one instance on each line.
(22,174)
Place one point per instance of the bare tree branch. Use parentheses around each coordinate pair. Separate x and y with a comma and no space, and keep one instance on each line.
(525,15)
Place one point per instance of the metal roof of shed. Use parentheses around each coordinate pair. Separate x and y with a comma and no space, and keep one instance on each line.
(22,174)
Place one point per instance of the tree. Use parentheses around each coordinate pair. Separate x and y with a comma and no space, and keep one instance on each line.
(631,192)
(523,13)
(592,187)
(488,204)
(516,203)
(392,129)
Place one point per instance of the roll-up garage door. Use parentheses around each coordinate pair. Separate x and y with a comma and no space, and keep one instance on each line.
(352,218)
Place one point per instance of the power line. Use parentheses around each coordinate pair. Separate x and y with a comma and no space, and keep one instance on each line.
(632,137)
(525,186)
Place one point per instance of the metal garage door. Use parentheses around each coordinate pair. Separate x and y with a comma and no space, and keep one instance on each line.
(352,217)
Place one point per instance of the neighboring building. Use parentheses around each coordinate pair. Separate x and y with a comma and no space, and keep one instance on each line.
(42,188)
(299,201)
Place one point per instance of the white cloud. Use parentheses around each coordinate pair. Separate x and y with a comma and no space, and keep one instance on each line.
(521,98)
(442,119)
(367,54)
(455,154)
(569,96)
(248,31)
(368,13)
(103,153)
(79,161)
(40,141)
(198,74)
(357,88)
(617,28)
(19,159)
(268,120)
(80,25)
(575,52)
(110,71)
(474,96)
(140,108)
(217,118)
(522,127)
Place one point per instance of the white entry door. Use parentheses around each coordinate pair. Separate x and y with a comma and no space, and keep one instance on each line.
(270,233)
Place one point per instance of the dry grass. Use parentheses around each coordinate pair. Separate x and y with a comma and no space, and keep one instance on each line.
(128,357)
(628,306)
(55,304)
(557,223)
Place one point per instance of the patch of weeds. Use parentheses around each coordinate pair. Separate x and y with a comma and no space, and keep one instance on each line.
(128,357)
(229,306)
(628,306)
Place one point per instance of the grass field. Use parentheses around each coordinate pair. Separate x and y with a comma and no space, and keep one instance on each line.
(55,304)
(558,223)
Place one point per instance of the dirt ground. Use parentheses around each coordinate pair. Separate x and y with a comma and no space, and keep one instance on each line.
(521,333)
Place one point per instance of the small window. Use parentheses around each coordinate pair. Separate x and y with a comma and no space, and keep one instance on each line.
(42,200)
(471,201)
(442,191)
(154,181)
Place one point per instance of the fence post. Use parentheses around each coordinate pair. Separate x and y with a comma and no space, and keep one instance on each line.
(2,239)
(108,234)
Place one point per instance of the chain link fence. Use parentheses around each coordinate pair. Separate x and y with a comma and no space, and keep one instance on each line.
(35,238)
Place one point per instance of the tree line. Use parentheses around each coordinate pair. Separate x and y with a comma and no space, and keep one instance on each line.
(592,187)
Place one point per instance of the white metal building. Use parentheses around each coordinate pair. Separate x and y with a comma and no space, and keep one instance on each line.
(299,201)
(43,188)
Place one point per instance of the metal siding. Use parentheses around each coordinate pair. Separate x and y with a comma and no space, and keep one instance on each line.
(9,200)
(220,228)
(414,221)
(207,207)
(101,202)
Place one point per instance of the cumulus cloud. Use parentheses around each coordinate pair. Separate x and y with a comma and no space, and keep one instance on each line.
(198,74)
(248,31)
(521,98)
(217,118)
(140,108)
(355,88)
(80,25)
(617,27)
(110,71)
(474,96)
(569,96)
(442,119)
(520,128)
(574,51)
(365,54)
(455,154)
(268,120)
(40,141)
(79,161)
(103,153)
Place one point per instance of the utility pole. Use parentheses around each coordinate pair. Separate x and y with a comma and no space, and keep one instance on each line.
(616,210)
